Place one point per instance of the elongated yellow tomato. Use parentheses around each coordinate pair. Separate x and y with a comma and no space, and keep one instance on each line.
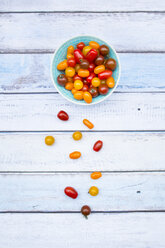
(69,86)
(78,95)
(88,123)
(86,49)
(96,82)
(96,175)
(83,73)
(70,49)
(62,65)
(77,135)
(93,191)
(78,84)
(99,68)
(87,97)
(110,82)
(75,155)
(49,140)
(69,71)
(94,44)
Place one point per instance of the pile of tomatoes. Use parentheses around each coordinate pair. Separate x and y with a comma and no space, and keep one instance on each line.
(88,71)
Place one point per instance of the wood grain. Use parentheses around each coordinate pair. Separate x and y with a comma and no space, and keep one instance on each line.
(129,111)
(117,192)
(121,152)
(131,31)
(31,73)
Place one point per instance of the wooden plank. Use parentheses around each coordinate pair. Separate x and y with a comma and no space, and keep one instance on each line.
(117,192)
(31,72)
(121,152)
(81,5)
(107,230)
(48,31)
(129,111)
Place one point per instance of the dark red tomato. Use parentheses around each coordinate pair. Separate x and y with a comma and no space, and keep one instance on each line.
(104,50)
(90,77)
(62,115)
(99,60)
(94,91)
(91,67)
(78,55)
(62,79)
(80,45)
(71,62)
(97,146)
(84,64)
(110,64)
(77,77)
(85,81)
(85,87)
(105,74)
(71,192)
(91,55)
(103,89)
(85,210)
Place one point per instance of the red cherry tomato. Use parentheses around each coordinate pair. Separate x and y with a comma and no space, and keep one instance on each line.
(85,81)
(62,115)
(91,55)
(78,55)
(80,45)
(90,77)
(91,67)
(71,192)
(77,77)
(105,74)
(103,89)
(97,146)
(71,62)
(85,87)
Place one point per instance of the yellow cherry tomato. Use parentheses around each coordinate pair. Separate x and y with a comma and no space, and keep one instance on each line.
(77,135)
(62,65)
(69,86)
(70,49)
(93,191)
(74,91)
(94,44)
(75,155)
(99,68)
(78,84)
(96,175)
(87,97)
(78,95)
(69,71)
(110,82)
(69,55)
(77,67)
(86,49)
(96,82)
(49,140)
(83,73)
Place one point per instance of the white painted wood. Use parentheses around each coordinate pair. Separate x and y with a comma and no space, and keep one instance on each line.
(31,72)
(138,230)
(118,192)
(121,152)
(125,31)
(81,5)
(129,111)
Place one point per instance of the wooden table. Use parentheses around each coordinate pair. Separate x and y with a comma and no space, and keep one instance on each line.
(130,209)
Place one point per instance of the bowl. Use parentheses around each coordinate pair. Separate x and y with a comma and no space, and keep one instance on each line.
(60,55)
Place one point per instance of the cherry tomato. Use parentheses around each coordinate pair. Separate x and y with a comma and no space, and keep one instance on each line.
(62,79)
(75,155)
(94,44)
(62,115)
(70,80)
(110,82)
(93,91)
(69,71)
(80,45)
(97,146)
(77,77)
(90,77)
(78,95)
(69,86)
(83,73)
(71,192)
(78,55)
(49,140)
(91,67)
(96,175)
(87,97)
(77,135)
(78,84)
(103,89)
(84,64)
(104,50)
(110,64)
(77,67)
(99,60)
(74,91)
(98,69)
(86,49)
(91,55)
(88,123)
(70,49)
(85,210)
(62,65)
(71,62)
(85,87)
(85,81)
(96,81)
(69,56)
(105,74)
(93,191)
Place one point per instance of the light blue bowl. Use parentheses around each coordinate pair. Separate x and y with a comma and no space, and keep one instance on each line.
(60,55)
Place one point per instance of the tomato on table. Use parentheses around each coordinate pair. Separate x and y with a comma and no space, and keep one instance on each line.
(71,192)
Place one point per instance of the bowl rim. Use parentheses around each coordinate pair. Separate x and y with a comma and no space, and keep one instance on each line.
(79,102)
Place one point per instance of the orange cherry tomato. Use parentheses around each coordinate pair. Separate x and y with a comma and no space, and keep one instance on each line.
(62,65)
(49,140)
(110,82)
(69,71)
(99,68)
(88,123)
(83,72)
(78,84)
(96,82)
(70,49)
(94,44)
(69,56)
(78,95)
(69,86)
(74,91)
(86,49)
(96,175)
(75,155)
(87,97)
